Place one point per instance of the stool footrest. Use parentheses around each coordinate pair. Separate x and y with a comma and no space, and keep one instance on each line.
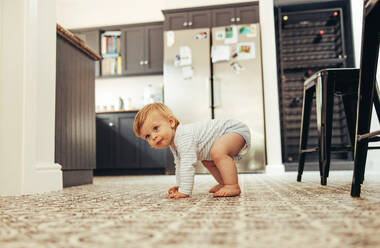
(371,136)
(309,150)
(374,148)
(341,148)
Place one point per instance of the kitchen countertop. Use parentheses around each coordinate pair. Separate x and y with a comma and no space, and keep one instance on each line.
(118,111)
(74,40)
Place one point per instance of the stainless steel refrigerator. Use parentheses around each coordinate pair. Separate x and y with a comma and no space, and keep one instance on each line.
(217,74)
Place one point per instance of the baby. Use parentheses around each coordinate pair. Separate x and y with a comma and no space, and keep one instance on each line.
(216,143)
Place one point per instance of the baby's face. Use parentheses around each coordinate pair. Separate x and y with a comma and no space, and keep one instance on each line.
(158,130)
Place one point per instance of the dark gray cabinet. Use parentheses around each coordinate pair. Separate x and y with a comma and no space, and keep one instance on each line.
(142,49)
(235,15)
(75,143)
(92,40)
(211,16)
(188,20)
(119,150)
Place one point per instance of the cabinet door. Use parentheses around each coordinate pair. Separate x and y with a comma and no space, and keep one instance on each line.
(128,150)
(133,50)
(154,49)
(223,17)
(199,19)
(176,21)
(106,140)
(150,157)
(247,14)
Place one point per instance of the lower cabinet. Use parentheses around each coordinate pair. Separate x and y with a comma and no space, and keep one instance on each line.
(119,151)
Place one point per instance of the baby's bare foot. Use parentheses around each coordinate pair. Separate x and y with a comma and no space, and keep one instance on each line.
(228,190)
(216,188)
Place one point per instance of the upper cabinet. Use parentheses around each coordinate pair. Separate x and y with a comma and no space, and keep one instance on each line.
(211,16)
(188,20)
(237,15)
(127,50)
(142,47)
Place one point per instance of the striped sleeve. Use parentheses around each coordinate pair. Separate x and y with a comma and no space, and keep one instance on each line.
(188,156)
(177,172)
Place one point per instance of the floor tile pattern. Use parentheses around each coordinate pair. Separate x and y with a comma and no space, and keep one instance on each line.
(131,211)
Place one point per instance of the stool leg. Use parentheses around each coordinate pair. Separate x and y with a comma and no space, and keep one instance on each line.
(365,96)
(349,102)
(376,100)
(304,132)
(326,106)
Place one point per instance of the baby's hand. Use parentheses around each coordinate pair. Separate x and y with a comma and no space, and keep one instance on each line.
(176,195)
(173,189)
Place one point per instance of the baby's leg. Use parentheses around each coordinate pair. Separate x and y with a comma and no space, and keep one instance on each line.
(211,167)
(222,151)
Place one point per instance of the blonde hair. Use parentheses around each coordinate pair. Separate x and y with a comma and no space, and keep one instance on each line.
(146,110)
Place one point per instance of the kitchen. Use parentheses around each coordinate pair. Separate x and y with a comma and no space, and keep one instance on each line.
(110,90)
(273,210)
(133,89)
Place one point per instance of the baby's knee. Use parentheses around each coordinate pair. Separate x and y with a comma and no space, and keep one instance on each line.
(217,156)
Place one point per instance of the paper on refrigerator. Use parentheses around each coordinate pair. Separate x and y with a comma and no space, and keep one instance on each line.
(185,55)
(220,53)
(246,50)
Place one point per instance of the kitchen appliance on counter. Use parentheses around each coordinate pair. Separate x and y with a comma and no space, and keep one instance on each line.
(217,74)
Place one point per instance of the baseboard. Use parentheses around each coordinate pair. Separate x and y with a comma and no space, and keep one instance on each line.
(77,177)
(314,166)
(115,172)
(45,177)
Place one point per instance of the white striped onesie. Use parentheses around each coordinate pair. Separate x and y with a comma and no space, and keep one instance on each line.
(193,143)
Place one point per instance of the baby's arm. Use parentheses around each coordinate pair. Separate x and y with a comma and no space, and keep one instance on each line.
(177,195)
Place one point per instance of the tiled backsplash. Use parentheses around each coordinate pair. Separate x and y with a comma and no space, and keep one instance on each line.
(130,89)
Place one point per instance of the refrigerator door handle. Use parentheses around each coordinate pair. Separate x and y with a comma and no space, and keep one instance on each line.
(216,92)
(209,91)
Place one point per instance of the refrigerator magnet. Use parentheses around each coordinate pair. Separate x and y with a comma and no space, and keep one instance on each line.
(170,38)
(220,34)
(246,50)
(201,35)
(231,35)
(236,67)
(253,30)
(244,30)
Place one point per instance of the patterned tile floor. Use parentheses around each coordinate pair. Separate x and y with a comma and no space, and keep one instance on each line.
(131,211)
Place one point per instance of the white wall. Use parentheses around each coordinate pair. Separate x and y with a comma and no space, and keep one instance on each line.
(27,97)
(108,91)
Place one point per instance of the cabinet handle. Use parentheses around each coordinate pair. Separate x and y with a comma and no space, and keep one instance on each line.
(146,62)
(190,23)
(141,62)
(232,19)
(185,24)
(238,19)
(111,124)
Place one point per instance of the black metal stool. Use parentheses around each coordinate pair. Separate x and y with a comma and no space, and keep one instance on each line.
(367,92)
(329,81)
(325,84)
